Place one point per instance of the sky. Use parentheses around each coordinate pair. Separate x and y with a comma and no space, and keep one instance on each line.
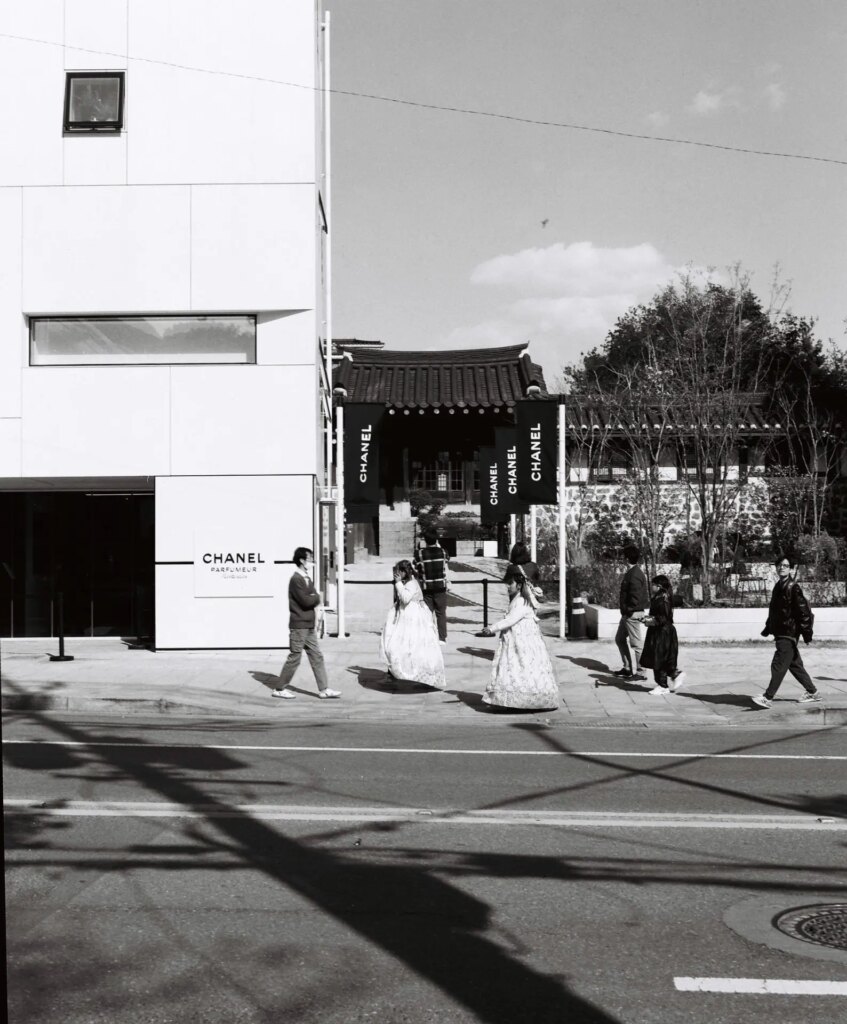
(452,230)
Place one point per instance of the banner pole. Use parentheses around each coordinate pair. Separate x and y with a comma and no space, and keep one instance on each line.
(533,539)
(339,514)
(562,535)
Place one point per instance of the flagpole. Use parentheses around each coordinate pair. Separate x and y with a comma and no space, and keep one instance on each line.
(562,534)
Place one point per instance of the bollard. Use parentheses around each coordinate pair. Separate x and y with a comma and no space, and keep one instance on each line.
(577,631)
(61,656)
(485,604)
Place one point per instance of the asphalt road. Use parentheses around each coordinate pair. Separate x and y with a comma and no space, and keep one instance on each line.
(172,870)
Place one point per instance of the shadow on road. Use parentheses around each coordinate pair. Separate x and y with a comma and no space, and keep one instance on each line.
(433,928)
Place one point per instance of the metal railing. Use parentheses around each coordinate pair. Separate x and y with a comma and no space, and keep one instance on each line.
(484,583)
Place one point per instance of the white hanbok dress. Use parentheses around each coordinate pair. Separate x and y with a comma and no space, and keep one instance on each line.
(522,675)
(409,644)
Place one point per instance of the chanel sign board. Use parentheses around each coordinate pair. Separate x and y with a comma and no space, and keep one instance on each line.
(232,566)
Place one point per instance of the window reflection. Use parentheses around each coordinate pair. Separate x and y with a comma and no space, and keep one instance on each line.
(115,340)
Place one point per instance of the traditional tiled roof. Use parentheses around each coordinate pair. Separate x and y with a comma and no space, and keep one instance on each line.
(462,378)
(586,413)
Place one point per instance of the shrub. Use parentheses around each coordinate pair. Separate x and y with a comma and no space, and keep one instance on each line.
(601,582)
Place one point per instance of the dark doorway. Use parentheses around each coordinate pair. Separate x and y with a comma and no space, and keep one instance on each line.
(96,549)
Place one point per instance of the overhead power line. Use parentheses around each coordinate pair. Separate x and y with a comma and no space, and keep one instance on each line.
(470,111)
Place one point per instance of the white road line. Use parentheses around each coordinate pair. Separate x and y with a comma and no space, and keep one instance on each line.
(762,986)
(433,750)
(441,816)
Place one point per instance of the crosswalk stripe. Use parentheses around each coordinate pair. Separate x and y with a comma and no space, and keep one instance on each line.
(762,986)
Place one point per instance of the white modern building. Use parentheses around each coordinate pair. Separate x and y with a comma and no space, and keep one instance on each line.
(163,310)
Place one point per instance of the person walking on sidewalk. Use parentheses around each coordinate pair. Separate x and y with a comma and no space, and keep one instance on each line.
(303,606)
(522,675)
(661,645)
(634,600)
(431,567)
(789,618)
(409,643)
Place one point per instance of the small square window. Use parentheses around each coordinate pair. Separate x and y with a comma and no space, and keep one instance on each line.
(94,101)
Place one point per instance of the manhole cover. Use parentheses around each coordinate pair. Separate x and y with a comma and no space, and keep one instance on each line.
(824,924)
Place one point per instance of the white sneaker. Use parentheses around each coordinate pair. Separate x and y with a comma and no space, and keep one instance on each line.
(657,691)
(443,643)
(327,693)
(762,700)
(285,693)
(678,681)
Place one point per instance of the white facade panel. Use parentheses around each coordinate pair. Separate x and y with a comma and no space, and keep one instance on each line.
(10,448)
(231,512)
(278,507)
(186,621)
(245,419)
(12,327)
(109,421)
(286,338)
(95,159)
(106,249)
(253,247)
(95,35)
(190,127)
(222,117)
(263,39)
(32,72)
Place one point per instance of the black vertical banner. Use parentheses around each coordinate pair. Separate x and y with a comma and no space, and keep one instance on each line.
(491,506)
(362,424)
(506,447)
(538,439)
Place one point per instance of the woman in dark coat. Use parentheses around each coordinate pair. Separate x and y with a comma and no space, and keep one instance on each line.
(520,556)
(661,645)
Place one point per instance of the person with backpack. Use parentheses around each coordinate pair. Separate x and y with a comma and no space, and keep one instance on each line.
(634,600)
(431,569)
(789,618)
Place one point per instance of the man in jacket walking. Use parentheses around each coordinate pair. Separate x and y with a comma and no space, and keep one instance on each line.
(431,567)
(303,600)
(789,618)
(634,600)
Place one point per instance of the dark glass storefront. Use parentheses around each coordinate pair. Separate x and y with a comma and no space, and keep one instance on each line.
(96,549)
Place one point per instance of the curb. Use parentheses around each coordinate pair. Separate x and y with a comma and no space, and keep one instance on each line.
(811,718)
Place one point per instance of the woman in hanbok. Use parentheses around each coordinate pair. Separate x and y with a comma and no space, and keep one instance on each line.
(522,675)
(661,645)
(409,644)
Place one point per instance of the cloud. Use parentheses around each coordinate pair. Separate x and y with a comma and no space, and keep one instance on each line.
(774,95)
(706,103)
(657,119)
(564,298)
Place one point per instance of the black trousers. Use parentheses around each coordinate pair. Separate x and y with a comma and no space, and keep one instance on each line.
(786,658)
(438,603)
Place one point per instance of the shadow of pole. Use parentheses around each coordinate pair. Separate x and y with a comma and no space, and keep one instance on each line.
(433,928)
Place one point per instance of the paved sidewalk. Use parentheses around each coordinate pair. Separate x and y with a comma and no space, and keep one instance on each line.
(107,677)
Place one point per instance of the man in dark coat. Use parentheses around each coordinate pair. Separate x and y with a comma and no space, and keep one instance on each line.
(431,567)
(789,618)
(303,600)
(634,600)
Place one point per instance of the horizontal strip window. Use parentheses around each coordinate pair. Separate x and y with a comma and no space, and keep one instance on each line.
(109,341)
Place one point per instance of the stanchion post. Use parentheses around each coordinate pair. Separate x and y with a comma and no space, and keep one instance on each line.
(61,656)
(563,552)
(485,604)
